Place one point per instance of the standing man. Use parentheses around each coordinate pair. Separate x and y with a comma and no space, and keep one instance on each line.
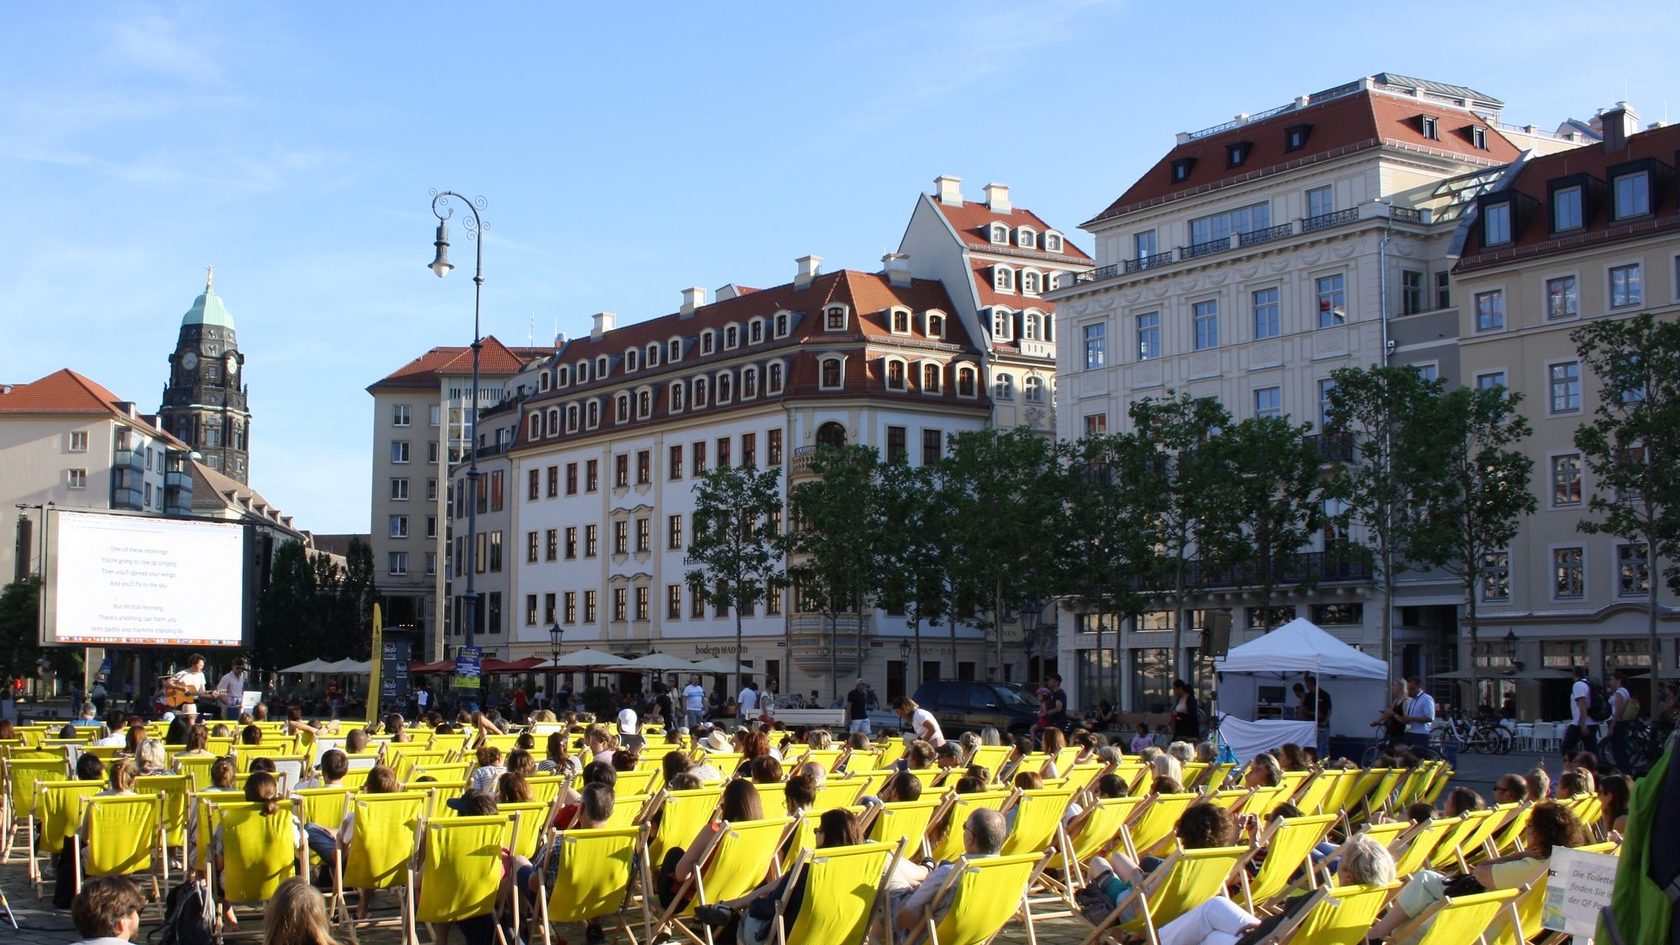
(231,689)
(1582,733)
(191,682)
(747,702)
(335,695)
(694,703)
(857,708)
(1058,714)
(422,701)
(662,704)
(1318,703)
(1419,714)
(1618,734)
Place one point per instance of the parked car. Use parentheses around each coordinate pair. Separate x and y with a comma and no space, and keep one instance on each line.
(971,705)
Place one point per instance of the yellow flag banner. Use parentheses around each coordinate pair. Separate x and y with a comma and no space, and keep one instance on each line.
(377,652)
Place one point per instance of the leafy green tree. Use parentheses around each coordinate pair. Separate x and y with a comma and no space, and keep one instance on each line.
(1276,492)
(838,539)
(289,628)
(916,549)
(1007,510)
(737,541)
(1632,446)
(1188,483)
(1486,494)
(1108,554)
(1397,464)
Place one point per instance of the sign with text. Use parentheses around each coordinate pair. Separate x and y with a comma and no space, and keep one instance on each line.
(1578,886)
(467,667)
(393,673)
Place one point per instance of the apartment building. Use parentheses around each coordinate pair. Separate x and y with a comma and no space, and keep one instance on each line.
(421,422)
(1252,260)
(1593,233)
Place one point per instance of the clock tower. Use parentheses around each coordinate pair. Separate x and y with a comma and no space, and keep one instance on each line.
(204,401)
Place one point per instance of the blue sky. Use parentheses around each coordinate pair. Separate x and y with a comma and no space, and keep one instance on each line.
(626,151)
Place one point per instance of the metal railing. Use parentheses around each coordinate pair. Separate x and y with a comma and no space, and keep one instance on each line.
(1270,233)
(1327,220)
(1196,250)
(1405,215)
(1149,262)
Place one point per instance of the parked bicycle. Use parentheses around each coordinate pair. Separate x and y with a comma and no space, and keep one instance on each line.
(1483,736)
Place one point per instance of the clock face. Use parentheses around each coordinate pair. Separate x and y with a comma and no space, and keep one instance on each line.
(232,364)
(189,360)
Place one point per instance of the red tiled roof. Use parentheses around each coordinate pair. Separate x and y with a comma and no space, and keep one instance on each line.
(1532,230)
(493,358)
(62,391)
(1364,119)
(1013,301)
(973,221)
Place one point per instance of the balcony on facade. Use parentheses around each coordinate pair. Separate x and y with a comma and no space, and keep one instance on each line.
(1347,564)
(809,640)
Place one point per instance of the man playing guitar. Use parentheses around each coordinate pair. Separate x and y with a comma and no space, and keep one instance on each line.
(183,689)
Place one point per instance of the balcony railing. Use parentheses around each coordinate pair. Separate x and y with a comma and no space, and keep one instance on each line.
(1347,564)
(1195,250)
(175,479)
(1149,262)
(1333,449)
(1267,235)
(1327,220)
(1405,215)
(132,458)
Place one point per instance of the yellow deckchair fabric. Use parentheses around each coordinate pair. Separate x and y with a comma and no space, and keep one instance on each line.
(121,833)
(984,893)
(381,839)
(627,810)
(1446,855)
(1096,831)
(682,815)
(458,868)
(1289,844)
(1341,915)
(258,852)
(175,789)
(1460,921)
(57,806)
(1038,818)
(1156,822)
(951,845)
(904,820)
(1418,852)
(533,823)
(593,876)
(842,887)
(1181,882)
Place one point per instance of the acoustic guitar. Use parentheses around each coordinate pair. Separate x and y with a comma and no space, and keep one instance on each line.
(177,694)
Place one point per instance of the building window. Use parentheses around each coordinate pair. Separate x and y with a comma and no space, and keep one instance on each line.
(935,325)
(589,606)
(1026,239)
(652,358)
(1496,576)
(749,450)
(932,374)
(1411,292)
(699,457)
(895,375)
(1566,209)
(397,526)
(1204,317)
(591,540)
(1332,300)
(533,484)
(1431,127)
(676,396)
(75,478)
(749,383)
(1096,345)
(1563,298)
(723,452)
(1626,286)
(1052,243)
(1321,202)
(644,534)
(1490,380)
(898,449)
(1490,311)
(780,325)
(965,381)
(569,607)
(1003,278)
(707,341)
(673,602)
(933,446)
(1034,393)
(674,532)
(431,490)
(773,378)
(1149,336)
(699,392)
(1029,283)
(1219,226)
(1564,380)
(436,414)
(1566,480)
(1295,137)
(1496,223)
(591,475)
(1632,194)
(621,408)
(621,537)
(644,403)
(1000,324)
(551,543)
(592,414)
(571,543)
(396,562)
(673,351)
(399,415)
(674,463)
(1443,289)
(1237,152)
(399,490)
(431,564)
(832,374)
(1143,246)
(1181,169)
(399,451)
(1003,388)
(834,318)
(530,610)
(1000,234)
(731,337)
(1265,313)
(696,604)
(571,478)
(1569,578)
(78,441)
(548,610)
(1633,570)
(1337,614)
(1325,386)
(1096,424)
(644,467)
(1268,402)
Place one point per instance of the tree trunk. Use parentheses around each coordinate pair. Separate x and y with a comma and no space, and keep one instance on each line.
(1470,611)
(1388,614)
(917,630)
(1098,674)
(740,679)
(1651,623)
(997,629)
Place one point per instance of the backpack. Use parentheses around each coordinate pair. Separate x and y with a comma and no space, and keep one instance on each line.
(188,916)
(1598,707)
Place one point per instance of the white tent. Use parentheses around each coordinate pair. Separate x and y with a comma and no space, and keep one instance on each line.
(1300,647)
(1261,672)
(351,667)
(316,665)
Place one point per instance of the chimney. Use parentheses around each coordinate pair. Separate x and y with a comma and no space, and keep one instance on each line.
(949,190)
(727,291)
(897,268)
(1616,124)
(997,197)
(692,298)
(809,268)
(1302,101)
(603,324)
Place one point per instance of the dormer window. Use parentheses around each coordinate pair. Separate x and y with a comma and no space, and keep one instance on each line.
(1029,325)
(592,414)
(583,372)
(899,319)
(708,342)
(731,336)
(781,325)
(1630,194)
(632,359)
(773,378)
(644,403)
(542,381)
(831,374)
(534,428)
(1000,234)
(895,375)
(603,367)
(673,351)
(755,331)
(1026,239)
(1478,137)
(935,324)
(1003,278)
(965,381)
(1430,126)
(1001,322)
(1029,283)
(621,408)
(675,392)
(725,387)
(932,377)
(571,418)
(653,356)
(1496,223)
(1181,169)
(1236,153)
(699,392)
(749,383)
(1052,242)
(562,376)
(1295,137)
(834,318)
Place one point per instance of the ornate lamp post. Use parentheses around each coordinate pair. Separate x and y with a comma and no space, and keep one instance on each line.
(555,633)
(1031,614)
(441,266)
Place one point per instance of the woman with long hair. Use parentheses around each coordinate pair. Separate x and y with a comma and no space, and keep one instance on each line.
(740,803)
(1615,792)
(297,915)
(557,759)
(748,920)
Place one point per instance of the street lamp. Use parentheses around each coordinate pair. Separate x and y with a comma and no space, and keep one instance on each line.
(555,633)
(1031,614)
(440,265)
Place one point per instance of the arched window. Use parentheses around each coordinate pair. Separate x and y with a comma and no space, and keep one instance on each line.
(707,341)
(1029,326)
(592,418)
(1052,242)
(1026,239)
(621,408)
(543,381)
(834,318)
(895,375)
(833,373)
(632,359)
(1000,233)
(534,430)
(749,382)
(644,403)
(562,376)
(781,324)
(731,336)
(673,351)
(583,372)
(1000,324)
(652,356)
(725,387)
(699,392)
(932,376)
(571,418)
(755,331)
(553,420)
(1004,387)
(965,381)
(603,367)
(1029,282)
(935,325)
(773,378)
(1034,389)
(676,396)
(831,434)
(1003,278)
(900,321)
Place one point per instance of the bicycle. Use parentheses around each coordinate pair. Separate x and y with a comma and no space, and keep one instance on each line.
(1382,746)
(1481,736)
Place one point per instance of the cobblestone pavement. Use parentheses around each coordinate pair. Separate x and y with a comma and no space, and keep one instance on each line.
(44,925)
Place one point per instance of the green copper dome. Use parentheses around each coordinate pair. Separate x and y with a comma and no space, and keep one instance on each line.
(208,309)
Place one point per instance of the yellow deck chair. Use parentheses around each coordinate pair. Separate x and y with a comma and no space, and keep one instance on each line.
(1289,844)
(839,792)
(904,820)
(1066,758)
(1267,799)
(1038,821)
(842,890)
(889,753)
(381,843)
(456,872)
(984,894)
(403,760)
(1507,838)
(682,815)
(1341,915)
(1382,793)
(1459,921)
(1156,821)
(547,787)
(1094,833)
(1192,774)
(1443,775)
(1356,795)
(102,752)
(593,878)
(21,776)
(1446,856)
(534,817)
(1231,799)
(640,782)
(991,757)
(804,837)
(1310,799)
(1184,880)
(737,864)
(56,807)
(1337,799)
(258,854)
(323,807)
(196,768)
(1294,781)
(1080,777)
(949,847)
(827,757)
(177,794)
(629,811)
(120,834)
(1473,848)
(453,742)
(506,743)
(772,796)
(1420,849)
(442,771)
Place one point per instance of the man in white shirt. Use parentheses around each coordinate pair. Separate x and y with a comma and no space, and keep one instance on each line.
(1419,713)
(191,682)
(1582,733)
(747,701)
(232,688)
(694,703)
(1616,739)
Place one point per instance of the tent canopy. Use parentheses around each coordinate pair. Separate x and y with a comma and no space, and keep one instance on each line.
(316,665)
(350,667)
(717,665)
(1299,646)
(582,659)
(657,663)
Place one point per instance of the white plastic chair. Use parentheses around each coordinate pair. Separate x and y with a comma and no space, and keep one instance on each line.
(1544,736)
(1525,736)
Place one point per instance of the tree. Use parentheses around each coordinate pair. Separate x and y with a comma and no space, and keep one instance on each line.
(737,541)
(1632,447)
(837,537)
(1396,464)
(916,549)
(1486,494)
(289,628)
(1007,509)
(1277,502)
(1189,484)
(1108,554)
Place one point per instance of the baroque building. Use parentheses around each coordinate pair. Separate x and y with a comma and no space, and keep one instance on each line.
(205,400)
